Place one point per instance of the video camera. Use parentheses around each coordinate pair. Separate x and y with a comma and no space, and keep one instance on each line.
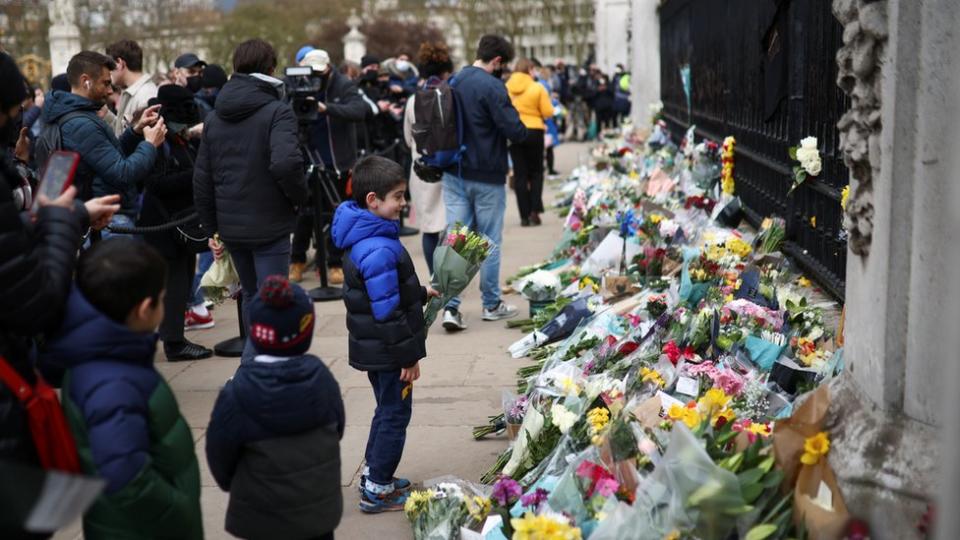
(303,85)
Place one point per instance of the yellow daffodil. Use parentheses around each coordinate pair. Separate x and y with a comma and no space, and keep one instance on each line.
(653,376)
(478,507)
(844,195)
(804,282)
(714,400)
(688,415)
(568,386)
(813,222)
(655,218)
(814,448)
(672,535)
(417,502)
(761,429)
(738,247)
(543,527)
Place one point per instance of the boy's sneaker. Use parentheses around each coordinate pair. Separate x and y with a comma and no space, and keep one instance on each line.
(375,503)
(196,321)
(399,484)
(453,320)
(502,311)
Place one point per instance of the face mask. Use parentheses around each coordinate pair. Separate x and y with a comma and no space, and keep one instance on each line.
(402,65)
(177,127)
(194,83)
(369,76)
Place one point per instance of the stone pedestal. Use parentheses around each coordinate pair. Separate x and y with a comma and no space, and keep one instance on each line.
(612,26)
(354,43)
(888,405)
(64,43)
(645,58)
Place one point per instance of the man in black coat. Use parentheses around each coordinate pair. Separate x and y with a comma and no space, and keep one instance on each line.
(249,177)
(36,269)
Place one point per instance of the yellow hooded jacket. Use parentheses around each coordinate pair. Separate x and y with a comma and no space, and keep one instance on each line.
(530,99)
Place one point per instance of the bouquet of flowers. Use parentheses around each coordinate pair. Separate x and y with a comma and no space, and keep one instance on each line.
(439,512)
(541,286)
(455,263)
(809,158)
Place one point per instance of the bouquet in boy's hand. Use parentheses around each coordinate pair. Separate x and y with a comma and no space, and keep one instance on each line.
(455,262)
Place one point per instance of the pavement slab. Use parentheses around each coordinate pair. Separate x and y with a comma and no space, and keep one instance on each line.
(462,382)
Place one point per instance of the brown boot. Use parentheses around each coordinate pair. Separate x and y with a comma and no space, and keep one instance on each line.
(335,276)
(296,272)
(535,219)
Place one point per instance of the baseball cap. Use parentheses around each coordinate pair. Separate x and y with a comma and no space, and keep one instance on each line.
(318,59)
(303,52)
(188,60)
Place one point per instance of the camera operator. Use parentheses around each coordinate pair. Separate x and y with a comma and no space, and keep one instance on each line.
(383,128)
(332,135)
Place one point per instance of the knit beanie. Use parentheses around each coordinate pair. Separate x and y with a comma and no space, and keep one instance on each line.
(281,318)
(368,60)
(13,90)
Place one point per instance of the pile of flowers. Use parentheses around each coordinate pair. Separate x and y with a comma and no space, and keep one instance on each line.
(656,416)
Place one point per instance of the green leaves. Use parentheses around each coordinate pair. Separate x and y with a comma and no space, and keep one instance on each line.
(792,151)
(760,532)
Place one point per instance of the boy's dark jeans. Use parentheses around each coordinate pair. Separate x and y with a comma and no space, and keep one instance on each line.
(388,432)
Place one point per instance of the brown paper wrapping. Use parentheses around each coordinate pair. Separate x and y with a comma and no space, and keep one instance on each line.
(790,434)
(648,413)
(821,524)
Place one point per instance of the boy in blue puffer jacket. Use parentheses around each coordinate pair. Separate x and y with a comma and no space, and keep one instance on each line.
(384,302)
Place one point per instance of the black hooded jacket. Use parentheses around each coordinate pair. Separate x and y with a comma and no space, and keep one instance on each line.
(249,175)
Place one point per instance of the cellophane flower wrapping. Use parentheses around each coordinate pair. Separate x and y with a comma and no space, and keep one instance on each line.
(540,286)
(455,263)
(438,512)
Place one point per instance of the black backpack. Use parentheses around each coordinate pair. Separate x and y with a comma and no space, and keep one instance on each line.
(437,131)
(49,141)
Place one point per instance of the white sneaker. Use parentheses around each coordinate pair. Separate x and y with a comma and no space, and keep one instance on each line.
(502,311)
(453,321)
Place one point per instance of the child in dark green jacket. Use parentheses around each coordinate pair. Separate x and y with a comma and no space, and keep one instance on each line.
(127,425)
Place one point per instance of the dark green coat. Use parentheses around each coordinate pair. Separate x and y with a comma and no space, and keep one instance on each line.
(128,429)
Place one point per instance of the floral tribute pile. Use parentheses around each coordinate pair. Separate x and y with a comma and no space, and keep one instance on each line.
(661,401)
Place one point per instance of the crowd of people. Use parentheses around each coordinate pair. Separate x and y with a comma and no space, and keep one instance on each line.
(229,160)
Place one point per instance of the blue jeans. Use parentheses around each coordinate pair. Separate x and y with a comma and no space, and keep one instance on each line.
(254,264)
(388,431)
(119,220)
(205,260)
(479,206)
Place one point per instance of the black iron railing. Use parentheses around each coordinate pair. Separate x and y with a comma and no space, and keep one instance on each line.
(765,72)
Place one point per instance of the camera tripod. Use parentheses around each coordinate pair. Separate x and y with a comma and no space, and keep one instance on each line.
(325,199)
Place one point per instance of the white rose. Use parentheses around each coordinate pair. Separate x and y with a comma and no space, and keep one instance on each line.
(809,143)
(813,167)
(805,155)
(562,418)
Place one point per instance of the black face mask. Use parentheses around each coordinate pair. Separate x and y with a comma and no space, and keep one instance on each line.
(370,76)
(194,83)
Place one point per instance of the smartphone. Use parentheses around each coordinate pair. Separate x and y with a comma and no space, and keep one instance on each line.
(57,175)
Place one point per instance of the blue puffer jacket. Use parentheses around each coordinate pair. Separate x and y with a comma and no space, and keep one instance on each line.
(128,428)
(489,119)
(383,296)
(115,166)
(273,443)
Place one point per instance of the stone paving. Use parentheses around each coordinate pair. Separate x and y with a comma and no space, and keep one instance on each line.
(461,384)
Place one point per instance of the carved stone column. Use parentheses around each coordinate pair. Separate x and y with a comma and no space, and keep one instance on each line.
(895,63)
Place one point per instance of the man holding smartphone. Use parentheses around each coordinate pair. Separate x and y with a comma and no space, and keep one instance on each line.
(108,166)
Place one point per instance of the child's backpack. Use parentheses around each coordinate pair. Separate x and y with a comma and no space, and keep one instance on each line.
(51,434)
(437,130)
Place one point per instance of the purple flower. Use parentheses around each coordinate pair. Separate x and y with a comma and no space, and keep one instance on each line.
(506,491)
(534,499)
(729,382)
(607,486)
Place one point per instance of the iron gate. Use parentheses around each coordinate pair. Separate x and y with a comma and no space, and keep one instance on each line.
(764,71)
